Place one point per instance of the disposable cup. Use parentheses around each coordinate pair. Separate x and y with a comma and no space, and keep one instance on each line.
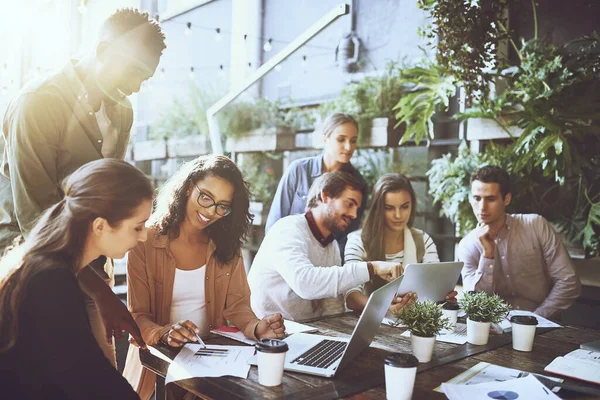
(270,355)
(400,372)
(523,331)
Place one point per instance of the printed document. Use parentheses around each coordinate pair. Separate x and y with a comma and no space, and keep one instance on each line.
(523,388)
(193,361)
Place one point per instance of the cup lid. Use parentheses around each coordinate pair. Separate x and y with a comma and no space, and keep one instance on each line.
(401,360)
(450,306)
(271,346)
(524,319)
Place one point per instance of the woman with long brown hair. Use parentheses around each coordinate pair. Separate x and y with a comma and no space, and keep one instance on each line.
(47,349)
(189,277)
(388,234)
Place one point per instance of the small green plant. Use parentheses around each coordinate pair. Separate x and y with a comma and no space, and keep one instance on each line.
(484,307)
(424,319)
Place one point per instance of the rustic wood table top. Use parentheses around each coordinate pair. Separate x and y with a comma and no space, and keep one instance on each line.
(364,377)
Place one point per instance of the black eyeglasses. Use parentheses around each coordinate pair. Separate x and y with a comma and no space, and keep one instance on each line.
(206,201)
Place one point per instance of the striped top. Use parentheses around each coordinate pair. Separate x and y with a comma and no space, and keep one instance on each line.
(355,252)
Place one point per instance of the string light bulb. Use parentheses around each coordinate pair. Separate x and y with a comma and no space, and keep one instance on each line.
(162,74)
(192,74)
(82,7)
(245,36)
(304,61)
(218,35)
(267,46)
(221,71)
(188,29)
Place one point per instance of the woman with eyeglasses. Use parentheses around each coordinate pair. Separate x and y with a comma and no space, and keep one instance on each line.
(189,277)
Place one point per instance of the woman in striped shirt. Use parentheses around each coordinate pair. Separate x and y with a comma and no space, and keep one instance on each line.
(388,234)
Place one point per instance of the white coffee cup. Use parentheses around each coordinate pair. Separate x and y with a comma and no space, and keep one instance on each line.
(400,372)
(523,331)
(270,355)
(450,311)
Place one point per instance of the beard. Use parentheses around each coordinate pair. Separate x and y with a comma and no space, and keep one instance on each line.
(334,222)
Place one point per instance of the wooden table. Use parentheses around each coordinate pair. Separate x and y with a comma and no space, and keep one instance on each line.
(364,377)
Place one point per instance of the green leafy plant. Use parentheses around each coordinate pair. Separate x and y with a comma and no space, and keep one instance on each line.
(246,116)
(466,36)
(431,90)
(187,117)
(373,97)
(260,176)
(373,163)
(484,307)
(425,319)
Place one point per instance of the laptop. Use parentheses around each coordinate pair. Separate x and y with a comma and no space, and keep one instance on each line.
(432,281)
(324,355)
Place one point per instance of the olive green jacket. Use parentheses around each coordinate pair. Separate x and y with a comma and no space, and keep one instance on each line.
(49,131)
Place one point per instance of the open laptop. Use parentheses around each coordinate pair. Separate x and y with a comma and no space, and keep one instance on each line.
(324,355)
(432,281)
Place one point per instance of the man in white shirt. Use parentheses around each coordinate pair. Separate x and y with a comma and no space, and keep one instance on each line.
(298,270)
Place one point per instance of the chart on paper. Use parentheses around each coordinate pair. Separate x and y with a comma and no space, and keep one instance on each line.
(220,353)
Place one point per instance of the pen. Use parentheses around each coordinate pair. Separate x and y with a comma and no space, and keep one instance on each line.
(200,341)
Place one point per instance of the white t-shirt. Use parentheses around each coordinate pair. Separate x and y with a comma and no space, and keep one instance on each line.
(293,273)
(189,300)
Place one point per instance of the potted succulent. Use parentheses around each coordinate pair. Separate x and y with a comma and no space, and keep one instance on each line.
(482,309)
(424,320)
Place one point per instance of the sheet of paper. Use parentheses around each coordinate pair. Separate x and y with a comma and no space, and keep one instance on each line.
(292,327)
(485,372)
(585,355)
(195,362)
(523,388)
(542,322)
(234,333)
(459,336)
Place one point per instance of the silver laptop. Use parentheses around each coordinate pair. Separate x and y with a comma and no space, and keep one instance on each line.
(431,281)
(324,355)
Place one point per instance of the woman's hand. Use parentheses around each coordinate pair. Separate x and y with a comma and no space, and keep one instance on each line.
(270,327)
(401,301)
(181,332)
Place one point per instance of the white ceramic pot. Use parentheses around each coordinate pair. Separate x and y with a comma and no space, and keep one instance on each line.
(478,332)
(422,347)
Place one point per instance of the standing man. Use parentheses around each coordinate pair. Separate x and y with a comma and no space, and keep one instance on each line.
(298,270)
(56,125)
(518,256)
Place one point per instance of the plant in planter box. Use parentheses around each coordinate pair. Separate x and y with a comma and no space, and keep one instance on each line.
(482,310)
(424,320)
(372,98)
(262,182)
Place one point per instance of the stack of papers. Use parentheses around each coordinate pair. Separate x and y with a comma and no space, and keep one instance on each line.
(485,372)
(194,361)
(579,364)
(234,333)
(523,388)
(506,326)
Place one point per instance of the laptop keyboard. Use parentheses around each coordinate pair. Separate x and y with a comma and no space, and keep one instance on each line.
(325,353)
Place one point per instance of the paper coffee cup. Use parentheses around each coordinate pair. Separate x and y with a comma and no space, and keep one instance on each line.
(270,359)
(450,311)
(523,331)
(400,372)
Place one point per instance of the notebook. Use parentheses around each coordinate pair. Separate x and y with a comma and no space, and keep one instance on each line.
(579,364)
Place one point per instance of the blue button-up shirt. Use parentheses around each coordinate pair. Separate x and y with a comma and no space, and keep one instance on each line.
(290,198)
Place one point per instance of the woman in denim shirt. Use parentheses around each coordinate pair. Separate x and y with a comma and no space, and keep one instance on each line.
(340,134)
